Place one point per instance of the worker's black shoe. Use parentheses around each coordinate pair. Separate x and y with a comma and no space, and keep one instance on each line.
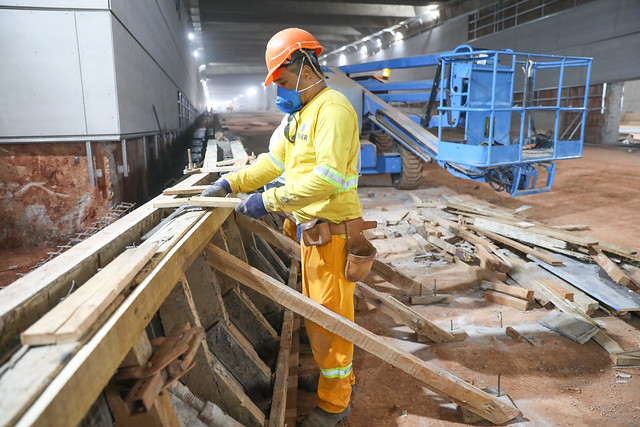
(309,382)
(318,417)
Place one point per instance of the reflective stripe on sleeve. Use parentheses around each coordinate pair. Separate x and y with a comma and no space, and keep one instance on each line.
(329,174)
(337,372)
(278,163)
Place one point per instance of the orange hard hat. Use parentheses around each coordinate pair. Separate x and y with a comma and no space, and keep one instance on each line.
(283,44)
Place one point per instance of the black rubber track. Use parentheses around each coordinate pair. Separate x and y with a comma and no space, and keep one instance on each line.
(411,175)
(383,141)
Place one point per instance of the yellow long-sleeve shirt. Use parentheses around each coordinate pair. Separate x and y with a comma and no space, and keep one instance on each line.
(321,165)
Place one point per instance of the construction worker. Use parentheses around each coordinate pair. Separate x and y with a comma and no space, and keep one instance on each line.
(319,151)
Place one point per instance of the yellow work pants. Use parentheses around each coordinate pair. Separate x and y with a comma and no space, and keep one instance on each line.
(290,229)
(323,281)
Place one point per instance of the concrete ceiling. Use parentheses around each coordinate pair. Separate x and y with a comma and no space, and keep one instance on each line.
(231,35)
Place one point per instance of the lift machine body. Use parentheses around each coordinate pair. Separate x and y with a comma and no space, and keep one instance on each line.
(495,116)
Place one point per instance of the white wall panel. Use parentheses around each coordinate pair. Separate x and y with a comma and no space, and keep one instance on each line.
(98,72)
(40,84)
(162,33)
(58,4)
(141,85)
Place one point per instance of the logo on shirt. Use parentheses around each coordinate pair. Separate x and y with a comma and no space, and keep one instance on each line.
(301,135)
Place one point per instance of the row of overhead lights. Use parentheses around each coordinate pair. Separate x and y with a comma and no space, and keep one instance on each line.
(432,14)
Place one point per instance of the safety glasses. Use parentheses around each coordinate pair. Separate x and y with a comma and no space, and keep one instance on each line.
(287,128)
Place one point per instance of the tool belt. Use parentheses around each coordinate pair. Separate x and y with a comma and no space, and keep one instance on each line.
(360,252)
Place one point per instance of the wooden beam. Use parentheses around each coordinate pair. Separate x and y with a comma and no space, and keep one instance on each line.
(281,384)
(612,269)
(516,245)
(569,296)
(30,371)
(508,300)
(87,373)
(191,191)
(240,358)
(395,277)
(431,299)
(435,379)
(201,201)
(398,311)
(272,236)
(253,325)
(513,232)
(507,289)
(72,318)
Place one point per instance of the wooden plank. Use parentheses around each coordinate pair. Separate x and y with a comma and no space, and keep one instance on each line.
(517,336)
(288,246)
(516,245)
(568,326)
(522,274)
(403,314)
(569,296)
(615,272)
(240,358)
(72,318)
(509,290)
(217,169)
(431,299)
(270,255)
(503,264)
(87,373)
(253,325)
(207,296)
(210,154)
(28,376)
(588,278)
(205,202)
(395,277)
(435,379)
(191,191)
(516,233)
(281,383)
(239,160)
(508,300)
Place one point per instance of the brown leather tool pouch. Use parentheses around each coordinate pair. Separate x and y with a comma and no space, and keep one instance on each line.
(315,233)
(360,252)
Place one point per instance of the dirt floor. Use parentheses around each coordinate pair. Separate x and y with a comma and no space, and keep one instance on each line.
(554,382)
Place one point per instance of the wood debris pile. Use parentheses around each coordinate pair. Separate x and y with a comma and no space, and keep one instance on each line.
(518,262)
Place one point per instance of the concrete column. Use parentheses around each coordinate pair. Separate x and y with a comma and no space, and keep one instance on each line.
(612,112)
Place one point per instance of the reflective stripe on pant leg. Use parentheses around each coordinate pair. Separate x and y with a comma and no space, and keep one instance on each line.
(324,282)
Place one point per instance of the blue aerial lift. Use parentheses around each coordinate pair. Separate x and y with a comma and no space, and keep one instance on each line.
(495,116)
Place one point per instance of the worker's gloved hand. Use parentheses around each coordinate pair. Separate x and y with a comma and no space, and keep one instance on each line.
(220,188)
(252,206)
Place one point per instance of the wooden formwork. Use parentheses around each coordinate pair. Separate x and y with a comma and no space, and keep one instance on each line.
(235,277)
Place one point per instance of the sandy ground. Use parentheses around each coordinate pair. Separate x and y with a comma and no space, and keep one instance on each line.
(556,381)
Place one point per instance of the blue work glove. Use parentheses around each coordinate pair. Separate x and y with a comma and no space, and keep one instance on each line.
(252,206)
(220,188)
